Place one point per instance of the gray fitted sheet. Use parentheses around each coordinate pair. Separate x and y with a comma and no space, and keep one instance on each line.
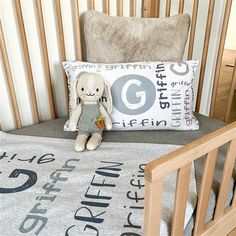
(54,128)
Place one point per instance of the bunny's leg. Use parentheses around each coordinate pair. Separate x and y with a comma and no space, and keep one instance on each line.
(94,141)
(80,142)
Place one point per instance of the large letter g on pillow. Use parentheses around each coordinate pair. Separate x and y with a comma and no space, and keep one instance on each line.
(133,94)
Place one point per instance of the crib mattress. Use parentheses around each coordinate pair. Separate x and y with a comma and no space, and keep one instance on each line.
(54,128)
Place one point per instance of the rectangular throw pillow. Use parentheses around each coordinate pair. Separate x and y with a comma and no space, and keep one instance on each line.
(146,95)
(132,39)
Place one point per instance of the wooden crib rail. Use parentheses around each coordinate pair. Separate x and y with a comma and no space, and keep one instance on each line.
(180,161)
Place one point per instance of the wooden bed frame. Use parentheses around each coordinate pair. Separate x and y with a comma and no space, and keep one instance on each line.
(224,220)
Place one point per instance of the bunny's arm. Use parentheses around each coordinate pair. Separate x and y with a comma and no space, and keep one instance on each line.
(75,117)
(108,122)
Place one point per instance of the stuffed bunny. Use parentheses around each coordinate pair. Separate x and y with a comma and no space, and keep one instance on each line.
(89,87)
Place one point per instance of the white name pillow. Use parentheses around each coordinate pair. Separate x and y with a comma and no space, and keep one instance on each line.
(146,95)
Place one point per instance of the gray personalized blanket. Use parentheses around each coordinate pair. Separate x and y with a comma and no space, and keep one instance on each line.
(46,188)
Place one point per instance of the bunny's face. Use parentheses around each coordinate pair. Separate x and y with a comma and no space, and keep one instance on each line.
(90,87)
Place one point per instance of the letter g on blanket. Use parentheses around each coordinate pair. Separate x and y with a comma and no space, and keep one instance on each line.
(88,114)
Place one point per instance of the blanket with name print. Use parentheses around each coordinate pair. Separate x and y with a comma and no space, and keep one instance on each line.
(46,188)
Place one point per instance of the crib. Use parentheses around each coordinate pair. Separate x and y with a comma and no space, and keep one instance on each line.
(224,219)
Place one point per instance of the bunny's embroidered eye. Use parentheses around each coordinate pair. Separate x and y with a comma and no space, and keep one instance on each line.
(97,89)
(82,89)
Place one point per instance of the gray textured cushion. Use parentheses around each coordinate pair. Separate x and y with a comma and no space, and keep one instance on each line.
(120,39)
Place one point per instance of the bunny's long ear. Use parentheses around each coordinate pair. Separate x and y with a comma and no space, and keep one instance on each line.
(74,94)
(109,97)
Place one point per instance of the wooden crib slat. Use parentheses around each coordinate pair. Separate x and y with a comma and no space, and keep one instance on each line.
(26,55)
(90,4)
(10,84)
(181,197)
(105,6)
(220,54)
(146,10)
(205,190)
(151,8)
(119,7)
(181,6)
(153,206)
(231,93)
(77,34)
(62,46)
(227,174)
(168,6)
(133,8)
(45,57)
(205,52)
(193,29)
(157,8)
(234,199)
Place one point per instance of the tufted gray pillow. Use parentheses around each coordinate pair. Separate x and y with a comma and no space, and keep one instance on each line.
(128,39)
